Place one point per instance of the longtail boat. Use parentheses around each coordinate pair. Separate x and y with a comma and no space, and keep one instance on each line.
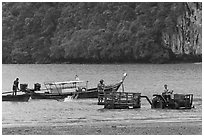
(61,90)
(16,98)
(76,89)
(93,93)
(57,90)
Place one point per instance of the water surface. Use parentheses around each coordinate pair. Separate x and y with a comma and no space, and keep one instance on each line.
(144,78)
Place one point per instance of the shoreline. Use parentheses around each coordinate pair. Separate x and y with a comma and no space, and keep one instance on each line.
(118,63)
(110,128)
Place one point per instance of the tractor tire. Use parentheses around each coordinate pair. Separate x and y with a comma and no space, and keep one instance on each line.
(157,102)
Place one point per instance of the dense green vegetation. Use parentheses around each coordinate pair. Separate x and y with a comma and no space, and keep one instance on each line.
(88,32)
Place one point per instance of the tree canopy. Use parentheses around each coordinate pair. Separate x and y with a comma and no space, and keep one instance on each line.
(87,32)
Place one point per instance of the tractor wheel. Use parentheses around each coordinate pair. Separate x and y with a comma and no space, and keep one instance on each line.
(157,103)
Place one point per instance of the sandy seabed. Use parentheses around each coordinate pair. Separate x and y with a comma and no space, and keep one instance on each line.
(130,128)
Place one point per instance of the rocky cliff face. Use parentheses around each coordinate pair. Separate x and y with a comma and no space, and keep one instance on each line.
(188,36)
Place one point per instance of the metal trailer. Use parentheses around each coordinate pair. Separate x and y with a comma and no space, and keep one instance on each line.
(122,100)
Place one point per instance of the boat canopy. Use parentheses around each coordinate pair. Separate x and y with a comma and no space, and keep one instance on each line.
(61,87)
(64,82)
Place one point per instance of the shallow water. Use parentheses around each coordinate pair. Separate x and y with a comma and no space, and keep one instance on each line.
(143,78)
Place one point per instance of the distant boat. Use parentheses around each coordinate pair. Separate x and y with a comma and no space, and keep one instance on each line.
(16,98)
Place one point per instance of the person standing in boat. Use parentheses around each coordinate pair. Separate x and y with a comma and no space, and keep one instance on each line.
(100,89)
(15,86)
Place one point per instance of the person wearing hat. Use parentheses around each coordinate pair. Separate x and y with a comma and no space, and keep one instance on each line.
(100,89)
(15,86)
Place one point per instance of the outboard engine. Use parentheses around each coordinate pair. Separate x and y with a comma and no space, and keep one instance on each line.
(23,87)
(37,87)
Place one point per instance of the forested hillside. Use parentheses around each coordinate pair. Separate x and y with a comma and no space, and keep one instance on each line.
(101,32)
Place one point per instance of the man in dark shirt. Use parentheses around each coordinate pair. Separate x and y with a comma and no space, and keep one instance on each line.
(101,85)
(15,86)
(100,88)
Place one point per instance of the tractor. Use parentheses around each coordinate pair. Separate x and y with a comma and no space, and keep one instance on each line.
(172,101)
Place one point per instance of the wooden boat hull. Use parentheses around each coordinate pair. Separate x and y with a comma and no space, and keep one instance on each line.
(49,96)
(17,98)
(87,94)
(90,93)
(93,93)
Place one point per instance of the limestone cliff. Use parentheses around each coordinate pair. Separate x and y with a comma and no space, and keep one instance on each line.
(188,36)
